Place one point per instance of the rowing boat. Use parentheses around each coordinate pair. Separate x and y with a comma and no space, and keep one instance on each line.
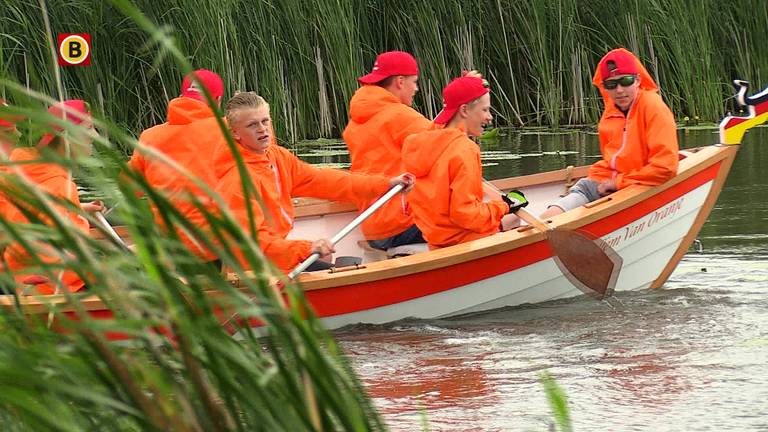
(650,228)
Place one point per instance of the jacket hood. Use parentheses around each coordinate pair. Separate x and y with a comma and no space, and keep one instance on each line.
(224,160)
(368,101)
(421,151)
(184,110)
(646,82)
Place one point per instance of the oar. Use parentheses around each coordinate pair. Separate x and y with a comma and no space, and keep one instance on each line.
(340,235)
(587,262)
(347,229)
(111,231)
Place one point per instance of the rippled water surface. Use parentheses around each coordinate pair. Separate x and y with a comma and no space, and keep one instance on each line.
(692,356)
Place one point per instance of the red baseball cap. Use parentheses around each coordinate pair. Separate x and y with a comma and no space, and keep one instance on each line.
(457,93)
(617,62)
(75,111)
(211,80)
(391,63)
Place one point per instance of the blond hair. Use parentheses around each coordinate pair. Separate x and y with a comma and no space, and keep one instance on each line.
(243,100)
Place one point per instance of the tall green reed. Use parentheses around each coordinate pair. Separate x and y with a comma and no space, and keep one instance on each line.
(539,55)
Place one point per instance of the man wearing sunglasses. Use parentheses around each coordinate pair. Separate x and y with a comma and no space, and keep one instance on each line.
(638,135)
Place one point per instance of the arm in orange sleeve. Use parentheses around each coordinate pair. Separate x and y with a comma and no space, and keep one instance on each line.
(467,208)
(285,254)
(600,171)
(661,137)
(333,184)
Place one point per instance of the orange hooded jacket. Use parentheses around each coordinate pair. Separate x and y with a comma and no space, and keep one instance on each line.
(55,181)
(278,175)
(447,199)
(189,138)
(379,123)
(640,148)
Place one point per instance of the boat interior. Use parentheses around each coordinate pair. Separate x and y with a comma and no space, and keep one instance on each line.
(322,219)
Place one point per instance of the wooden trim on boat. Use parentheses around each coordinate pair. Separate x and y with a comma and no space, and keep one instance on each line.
(418,263)
(42,304)
(540,178)
(701,218)
(98,234)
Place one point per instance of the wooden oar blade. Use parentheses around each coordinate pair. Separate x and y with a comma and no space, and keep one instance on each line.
(588,262)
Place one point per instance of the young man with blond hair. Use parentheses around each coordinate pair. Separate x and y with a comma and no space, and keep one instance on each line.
(277,176)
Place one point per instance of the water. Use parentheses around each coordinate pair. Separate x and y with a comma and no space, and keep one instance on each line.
(693,356)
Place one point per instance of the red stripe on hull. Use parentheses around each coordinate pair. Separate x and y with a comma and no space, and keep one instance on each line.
(369,295)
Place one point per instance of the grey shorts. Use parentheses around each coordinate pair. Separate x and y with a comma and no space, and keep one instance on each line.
(584,191)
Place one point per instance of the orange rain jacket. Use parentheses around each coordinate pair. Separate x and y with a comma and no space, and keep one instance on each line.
(379,123)
(53,180)
(640,148)
(277,176)
(447,199)
(189,138)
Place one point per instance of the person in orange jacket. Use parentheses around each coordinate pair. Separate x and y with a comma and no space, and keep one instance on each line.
(56,181)
(191,131)
(638,135)
(381,118)
(278,175)
(447,198)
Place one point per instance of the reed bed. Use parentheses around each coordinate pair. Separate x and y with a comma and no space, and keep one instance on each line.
(304,56)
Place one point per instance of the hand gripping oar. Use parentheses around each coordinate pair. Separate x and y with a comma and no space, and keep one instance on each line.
(587,262)
(347,229)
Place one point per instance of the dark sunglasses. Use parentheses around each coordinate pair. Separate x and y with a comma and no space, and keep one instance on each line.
(624,81)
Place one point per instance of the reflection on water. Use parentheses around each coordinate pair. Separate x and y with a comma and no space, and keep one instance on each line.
(689,357)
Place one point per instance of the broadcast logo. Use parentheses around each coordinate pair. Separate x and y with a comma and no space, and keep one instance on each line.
(74,49)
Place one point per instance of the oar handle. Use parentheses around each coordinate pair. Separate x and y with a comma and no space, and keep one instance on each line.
(532,220)
(112,233)
(350,226)
(521,212)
